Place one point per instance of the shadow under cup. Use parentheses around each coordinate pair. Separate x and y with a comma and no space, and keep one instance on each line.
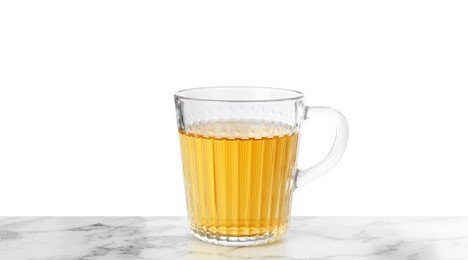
(239,149)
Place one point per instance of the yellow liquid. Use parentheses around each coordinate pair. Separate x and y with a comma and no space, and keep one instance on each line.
(238,177)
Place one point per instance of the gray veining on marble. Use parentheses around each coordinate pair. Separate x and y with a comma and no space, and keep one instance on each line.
(320,238)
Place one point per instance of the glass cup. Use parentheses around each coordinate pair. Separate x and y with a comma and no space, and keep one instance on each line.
(239,149)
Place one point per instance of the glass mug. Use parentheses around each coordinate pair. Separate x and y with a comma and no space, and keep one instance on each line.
(239,149)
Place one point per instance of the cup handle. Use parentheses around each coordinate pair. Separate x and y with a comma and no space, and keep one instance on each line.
(310,174)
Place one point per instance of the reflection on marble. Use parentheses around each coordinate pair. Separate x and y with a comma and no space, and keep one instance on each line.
(324,238)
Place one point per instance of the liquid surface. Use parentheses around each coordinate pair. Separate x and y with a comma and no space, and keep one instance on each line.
(239,130)
(238,177)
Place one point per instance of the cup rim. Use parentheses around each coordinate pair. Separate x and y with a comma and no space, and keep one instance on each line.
(293,94)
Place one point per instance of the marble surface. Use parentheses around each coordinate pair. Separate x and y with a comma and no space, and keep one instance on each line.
(324,238)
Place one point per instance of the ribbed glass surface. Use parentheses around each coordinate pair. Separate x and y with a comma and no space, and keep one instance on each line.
(238,179)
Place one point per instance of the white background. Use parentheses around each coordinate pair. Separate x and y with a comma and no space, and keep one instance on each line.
(87,121)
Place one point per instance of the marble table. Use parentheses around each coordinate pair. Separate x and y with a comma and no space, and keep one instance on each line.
(324,238)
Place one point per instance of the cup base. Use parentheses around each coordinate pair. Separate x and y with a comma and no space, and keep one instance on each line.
(265,238)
